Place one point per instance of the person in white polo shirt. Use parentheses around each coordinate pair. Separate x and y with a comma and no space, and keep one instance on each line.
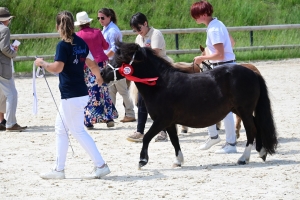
(219,44)
(153,38)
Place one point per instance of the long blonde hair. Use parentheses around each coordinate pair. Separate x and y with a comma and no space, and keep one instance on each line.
(65,26)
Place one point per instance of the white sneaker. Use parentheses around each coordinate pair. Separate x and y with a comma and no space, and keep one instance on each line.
(209,143)
(227,148)
(53,175)
(98,172)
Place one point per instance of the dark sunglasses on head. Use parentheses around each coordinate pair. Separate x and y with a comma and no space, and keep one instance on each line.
(102,18)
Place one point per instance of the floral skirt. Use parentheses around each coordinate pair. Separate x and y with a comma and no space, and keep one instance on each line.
(100,108)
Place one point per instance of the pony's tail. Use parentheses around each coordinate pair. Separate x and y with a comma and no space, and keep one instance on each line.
(266,130)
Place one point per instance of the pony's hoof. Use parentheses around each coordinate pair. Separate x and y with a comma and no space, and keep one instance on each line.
(175,165)
(142,164)
(183,131)
(264,157)
(241,162)
(263,154)
(237,135)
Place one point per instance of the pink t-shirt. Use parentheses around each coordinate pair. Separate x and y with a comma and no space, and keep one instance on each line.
(95,41)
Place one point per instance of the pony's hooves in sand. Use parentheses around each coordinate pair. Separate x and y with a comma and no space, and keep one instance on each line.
(175,165)
(264,157)
(240,162)
(142,164)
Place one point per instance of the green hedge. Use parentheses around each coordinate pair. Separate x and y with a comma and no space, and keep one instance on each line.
(36,16)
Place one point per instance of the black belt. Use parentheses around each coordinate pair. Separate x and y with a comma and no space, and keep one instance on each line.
(221,63)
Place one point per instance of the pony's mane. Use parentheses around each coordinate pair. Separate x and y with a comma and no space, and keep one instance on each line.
(150,53)
(125,52)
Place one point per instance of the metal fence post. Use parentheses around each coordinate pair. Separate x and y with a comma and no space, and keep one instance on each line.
(251,38)
(176,42)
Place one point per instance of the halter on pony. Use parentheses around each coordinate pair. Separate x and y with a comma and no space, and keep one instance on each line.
(126,70)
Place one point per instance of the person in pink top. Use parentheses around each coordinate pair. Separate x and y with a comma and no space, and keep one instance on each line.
(100,107)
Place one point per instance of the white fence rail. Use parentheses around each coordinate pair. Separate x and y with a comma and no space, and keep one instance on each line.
(177,31)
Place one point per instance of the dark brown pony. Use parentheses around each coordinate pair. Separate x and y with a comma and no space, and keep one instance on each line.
(194,68)
(208,97)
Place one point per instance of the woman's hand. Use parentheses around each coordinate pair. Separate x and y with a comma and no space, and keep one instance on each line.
(16,48)
(198,59)
(39,62)
(99,81)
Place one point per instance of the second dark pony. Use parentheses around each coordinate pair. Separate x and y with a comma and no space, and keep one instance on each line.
(208,97)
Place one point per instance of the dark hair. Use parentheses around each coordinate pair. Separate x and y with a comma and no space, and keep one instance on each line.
(109,13)
(85,25)
(201,8)
(65,25)
(136,19)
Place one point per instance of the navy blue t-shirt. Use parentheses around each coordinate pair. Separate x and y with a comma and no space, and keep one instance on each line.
(71,79)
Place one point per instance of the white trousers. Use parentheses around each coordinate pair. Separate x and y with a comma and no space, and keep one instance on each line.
(229,129)
(72,113)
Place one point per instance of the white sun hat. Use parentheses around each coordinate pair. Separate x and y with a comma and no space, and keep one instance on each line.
(82,18)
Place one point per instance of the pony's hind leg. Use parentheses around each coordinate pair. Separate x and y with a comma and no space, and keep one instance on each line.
(244,159)
(251,134)
(262,153)
(238,126)
(179,160)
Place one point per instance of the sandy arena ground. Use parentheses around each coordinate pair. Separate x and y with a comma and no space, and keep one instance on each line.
(204,175)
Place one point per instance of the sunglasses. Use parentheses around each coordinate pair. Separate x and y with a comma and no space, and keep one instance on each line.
(102,18)
(138,29)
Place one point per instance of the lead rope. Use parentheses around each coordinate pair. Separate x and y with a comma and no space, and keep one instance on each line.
(115,76)
(115,69)
(40,72)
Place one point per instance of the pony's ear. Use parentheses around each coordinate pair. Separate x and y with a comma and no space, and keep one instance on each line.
(201,48)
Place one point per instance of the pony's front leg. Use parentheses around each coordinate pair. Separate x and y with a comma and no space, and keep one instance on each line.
(179,160)
(144,158)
